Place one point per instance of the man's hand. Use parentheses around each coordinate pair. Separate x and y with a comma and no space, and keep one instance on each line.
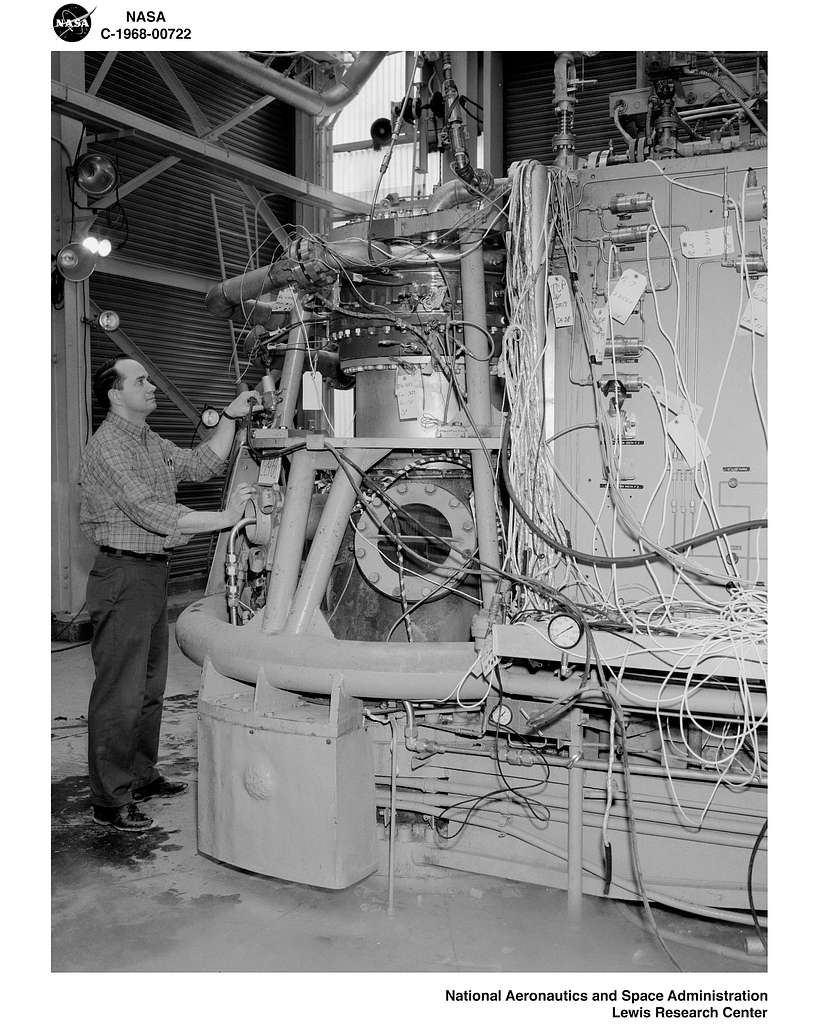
(242,404)
(236,504)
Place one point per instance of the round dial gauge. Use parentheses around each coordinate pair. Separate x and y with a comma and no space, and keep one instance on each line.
(564,631)
(109,320)
(501,714)
(210,416)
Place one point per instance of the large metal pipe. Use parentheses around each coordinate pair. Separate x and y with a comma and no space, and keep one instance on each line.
(324,549)
(289,542)
(478,384)
(302,97)
(389,671)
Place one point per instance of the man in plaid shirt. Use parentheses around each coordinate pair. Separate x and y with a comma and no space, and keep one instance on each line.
(129,477)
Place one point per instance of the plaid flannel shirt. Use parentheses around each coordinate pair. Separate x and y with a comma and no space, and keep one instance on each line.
(129,477)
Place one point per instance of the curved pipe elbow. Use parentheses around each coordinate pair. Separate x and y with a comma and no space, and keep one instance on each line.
(273,83)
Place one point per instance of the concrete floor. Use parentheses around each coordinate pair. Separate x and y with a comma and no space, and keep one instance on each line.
(151,902)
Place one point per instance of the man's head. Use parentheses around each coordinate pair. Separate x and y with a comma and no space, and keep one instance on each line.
(122,385)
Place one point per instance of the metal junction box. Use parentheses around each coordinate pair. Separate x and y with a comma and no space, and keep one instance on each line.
(285,785)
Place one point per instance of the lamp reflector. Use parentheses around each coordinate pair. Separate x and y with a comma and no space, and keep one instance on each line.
(96,174)
(75,262)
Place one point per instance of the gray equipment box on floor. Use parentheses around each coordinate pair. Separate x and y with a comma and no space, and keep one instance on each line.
(285,784)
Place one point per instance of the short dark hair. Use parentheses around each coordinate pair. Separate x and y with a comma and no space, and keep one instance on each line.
(107,377)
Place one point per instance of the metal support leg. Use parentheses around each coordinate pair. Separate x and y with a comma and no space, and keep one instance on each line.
(478,400)
(289,542)
(291,371)
(324,549)
(575,881)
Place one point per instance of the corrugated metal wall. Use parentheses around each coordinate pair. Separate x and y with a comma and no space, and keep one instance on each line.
(528,117)
(170,225)
(529,120)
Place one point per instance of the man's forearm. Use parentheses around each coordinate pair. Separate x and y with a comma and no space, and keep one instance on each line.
(221,440)
(203,522)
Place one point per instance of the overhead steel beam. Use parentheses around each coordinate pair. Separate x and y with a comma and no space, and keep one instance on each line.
(196,116)
(104,68)
(133,351)
(152,274)
(171,161)
(199,152)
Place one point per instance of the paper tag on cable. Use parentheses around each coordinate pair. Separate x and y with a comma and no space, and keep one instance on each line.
(755,314)
(409,390)
(627,293)
(683,432)
(711,242)
(763,239)
(311,389)
(599,327)
(561,300)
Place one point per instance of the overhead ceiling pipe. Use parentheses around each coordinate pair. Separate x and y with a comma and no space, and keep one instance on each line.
(302,97)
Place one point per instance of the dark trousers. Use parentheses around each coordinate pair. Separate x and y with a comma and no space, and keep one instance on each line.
(127,602)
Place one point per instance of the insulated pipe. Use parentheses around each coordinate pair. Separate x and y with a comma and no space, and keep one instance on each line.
(473,291)
(289,542)
(324,549)
(292,370)
(224,297)
(302,97)
(453,192)
(389,671)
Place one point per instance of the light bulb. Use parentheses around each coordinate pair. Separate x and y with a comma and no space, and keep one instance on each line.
(91,244)
(104,247)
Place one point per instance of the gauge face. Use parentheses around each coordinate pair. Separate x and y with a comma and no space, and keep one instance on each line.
(109,320)
(501,714)
(564,631)
(210,417)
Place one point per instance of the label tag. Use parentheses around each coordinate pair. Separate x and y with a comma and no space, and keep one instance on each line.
(763,238)
(600,330)
(409,391)
(683,432)
(269,470)
(433,400)
(711,242)
(311,389)
(626,295)
(755,314)
(561,300)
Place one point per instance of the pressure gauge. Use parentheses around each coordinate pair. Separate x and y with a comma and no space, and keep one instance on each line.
(564,631)
(501,714)
(210,416)
(109,320)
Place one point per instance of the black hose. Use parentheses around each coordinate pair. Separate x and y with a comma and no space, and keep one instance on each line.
(621,561)
(754,914)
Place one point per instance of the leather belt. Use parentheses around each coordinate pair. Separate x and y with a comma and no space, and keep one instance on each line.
(143,556)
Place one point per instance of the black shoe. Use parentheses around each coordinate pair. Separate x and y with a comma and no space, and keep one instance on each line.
(124,819)
(159,787)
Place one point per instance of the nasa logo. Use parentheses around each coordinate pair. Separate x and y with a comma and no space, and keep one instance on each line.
(72,23)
